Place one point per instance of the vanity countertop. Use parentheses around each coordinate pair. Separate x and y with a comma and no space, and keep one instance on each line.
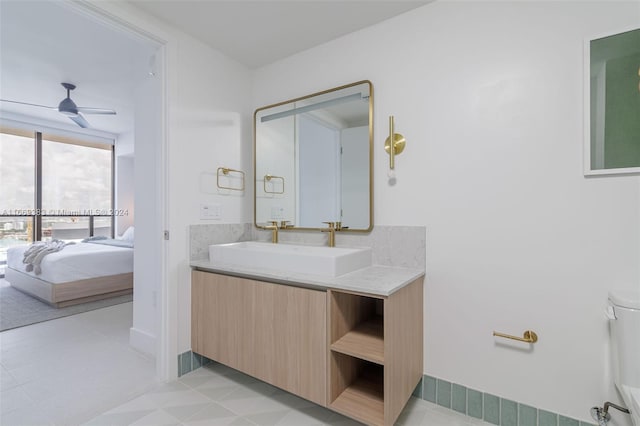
(376,280)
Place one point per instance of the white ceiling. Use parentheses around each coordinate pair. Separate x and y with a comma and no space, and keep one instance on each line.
(44,43)
(256,33)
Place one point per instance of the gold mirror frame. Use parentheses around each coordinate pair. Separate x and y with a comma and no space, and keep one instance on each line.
(370,145)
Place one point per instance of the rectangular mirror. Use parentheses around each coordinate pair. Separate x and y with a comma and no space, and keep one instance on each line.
(313,160)
(612,110)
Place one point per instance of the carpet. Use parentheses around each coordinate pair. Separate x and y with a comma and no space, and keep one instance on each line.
(18,309)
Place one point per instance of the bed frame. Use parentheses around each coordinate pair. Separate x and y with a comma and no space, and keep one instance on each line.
(72,292)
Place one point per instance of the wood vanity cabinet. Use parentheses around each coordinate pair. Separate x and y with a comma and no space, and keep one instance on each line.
(375,352)
(355,353)
(276,333)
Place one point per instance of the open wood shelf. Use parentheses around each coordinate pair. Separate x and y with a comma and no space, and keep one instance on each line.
(363,399)
(374,349)
(365,341)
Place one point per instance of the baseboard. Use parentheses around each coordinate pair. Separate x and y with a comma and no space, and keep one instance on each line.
(189,361)
(142,341)
(490,408)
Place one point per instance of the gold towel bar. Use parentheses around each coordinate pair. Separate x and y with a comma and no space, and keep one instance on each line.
(528,336)
(269,178)
(225,172)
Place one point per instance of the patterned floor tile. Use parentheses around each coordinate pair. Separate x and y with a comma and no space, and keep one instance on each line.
(178,398)
(216,380)
(250,406)
(120,418)
(210,412)
(228,421)
(157,418)
(140,403)
(306,416)
(291,401)
(219,396)
(340,420)
(267,419)
(184,412)
(195,381)
(254,390)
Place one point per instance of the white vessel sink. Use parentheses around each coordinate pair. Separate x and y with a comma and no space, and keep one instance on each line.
(325,261)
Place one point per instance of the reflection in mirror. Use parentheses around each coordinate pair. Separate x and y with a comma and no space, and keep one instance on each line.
(312,159)
(613,129)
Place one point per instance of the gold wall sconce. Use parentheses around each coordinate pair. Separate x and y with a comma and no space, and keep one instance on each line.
(394,144)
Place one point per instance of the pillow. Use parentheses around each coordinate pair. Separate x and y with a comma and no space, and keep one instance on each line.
(128,234)
(96,238)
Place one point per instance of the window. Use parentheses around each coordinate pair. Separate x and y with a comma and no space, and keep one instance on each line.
(17,191)
(53,188)
(76,190)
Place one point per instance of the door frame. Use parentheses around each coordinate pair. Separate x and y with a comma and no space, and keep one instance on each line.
(110,14)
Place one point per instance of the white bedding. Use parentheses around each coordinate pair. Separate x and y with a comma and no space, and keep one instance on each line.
(76,262)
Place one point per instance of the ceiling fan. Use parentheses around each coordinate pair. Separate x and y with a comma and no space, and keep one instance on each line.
(70,109)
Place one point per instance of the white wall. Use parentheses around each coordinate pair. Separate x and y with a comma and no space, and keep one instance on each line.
(318,175)
(125,144)
(125,181)
(277,157)
(147,221)
(489,97)
(355,177)
(212,129)
(209,126)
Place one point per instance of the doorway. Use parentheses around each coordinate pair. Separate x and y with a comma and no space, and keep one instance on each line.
(147,149)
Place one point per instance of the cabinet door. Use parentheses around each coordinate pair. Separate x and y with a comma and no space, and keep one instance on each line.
(290,339)
(220,326)
(274,332)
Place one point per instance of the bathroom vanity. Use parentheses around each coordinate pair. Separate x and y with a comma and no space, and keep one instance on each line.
(320,322)
(352,343)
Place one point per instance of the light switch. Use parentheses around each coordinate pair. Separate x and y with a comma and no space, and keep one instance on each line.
(277,212)
(210,211)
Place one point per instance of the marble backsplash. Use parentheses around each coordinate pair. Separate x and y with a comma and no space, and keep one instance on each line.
(401,246)
(202,236)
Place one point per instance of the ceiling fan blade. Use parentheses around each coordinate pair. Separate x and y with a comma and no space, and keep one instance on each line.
(26,103)
(69,108)
(80,121)
(105,111)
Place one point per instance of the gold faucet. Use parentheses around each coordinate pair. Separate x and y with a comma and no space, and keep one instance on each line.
(332,233)
(274,230)
(284,224)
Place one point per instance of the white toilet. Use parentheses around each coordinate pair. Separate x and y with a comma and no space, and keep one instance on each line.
(624,314)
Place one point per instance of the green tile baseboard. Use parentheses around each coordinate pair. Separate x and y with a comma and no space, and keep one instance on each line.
(456,397)
(487,407)
(189,361)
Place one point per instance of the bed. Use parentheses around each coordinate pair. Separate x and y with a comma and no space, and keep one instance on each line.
(79,273)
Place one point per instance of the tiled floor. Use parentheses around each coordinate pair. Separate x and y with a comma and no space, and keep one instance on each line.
(217,395)
(67,371)
(70,370)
